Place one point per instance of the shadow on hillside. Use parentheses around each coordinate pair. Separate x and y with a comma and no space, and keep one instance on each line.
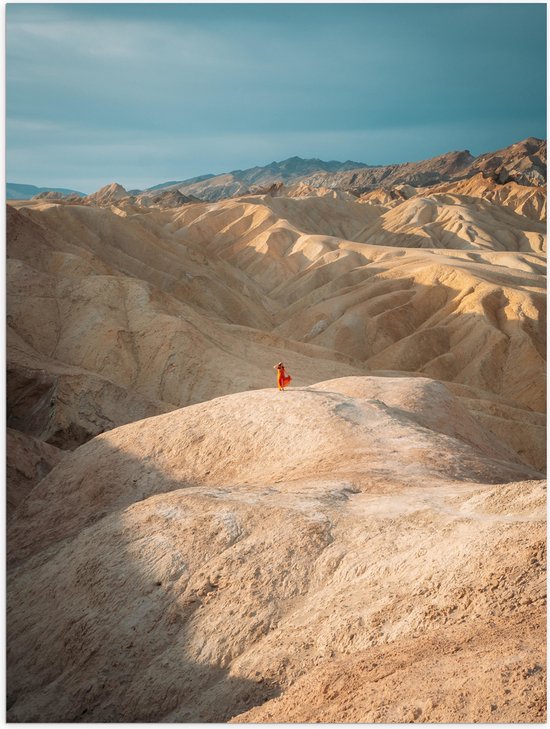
(109,640)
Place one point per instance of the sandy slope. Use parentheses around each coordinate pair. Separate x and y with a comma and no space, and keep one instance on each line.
(462,680)
(525,200)
(134,313)
(162,308)
(451,221)
(314,544)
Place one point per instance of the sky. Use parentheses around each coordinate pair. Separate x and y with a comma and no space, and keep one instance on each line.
(146,93)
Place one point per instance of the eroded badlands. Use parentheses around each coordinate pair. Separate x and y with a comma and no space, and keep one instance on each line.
(186,543)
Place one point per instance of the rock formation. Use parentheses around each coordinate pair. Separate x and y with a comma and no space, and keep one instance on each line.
(524,163)
(49,195)
(107,195)
(164,199)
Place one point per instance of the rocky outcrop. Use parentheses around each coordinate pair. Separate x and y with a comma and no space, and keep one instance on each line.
(164,199)
(523,163)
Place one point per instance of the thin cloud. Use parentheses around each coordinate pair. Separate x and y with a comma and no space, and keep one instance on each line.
(188,89)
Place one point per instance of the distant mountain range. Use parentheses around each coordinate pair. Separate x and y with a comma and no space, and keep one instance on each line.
(15,191)
(239,182)
(175,183)
(288,170)
(523,162)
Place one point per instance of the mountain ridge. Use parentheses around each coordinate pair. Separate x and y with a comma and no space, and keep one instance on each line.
(529,155)
(523,162)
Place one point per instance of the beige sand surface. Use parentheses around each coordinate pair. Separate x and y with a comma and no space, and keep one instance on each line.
(318,545)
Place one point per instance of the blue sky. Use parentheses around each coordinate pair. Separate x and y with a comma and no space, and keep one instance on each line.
(143,94)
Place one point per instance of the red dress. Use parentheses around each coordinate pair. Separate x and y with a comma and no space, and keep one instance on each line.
(282,378)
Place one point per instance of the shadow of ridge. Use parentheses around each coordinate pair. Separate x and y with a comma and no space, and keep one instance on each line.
(219,687)
(228,697)
(112,636)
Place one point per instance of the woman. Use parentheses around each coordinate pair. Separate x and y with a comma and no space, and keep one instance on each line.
(282,378)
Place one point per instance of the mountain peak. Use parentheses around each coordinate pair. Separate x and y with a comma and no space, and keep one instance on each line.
(108,193)
(113,188)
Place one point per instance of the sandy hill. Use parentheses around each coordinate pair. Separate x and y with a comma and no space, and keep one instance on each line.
(118,313)
(111,193)
(308,553)
(300,189)
(526,200)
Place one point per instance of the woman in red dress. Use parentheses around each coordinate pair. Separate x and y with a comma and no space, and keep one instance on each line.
(282,378)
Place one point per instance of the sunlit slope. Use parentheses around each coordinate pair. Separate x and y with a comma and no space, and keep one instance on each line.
(454,222)
(160,308)
(473,314)
(522,199)
(477,319)
(432,221)
(194,565)
(111,320)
